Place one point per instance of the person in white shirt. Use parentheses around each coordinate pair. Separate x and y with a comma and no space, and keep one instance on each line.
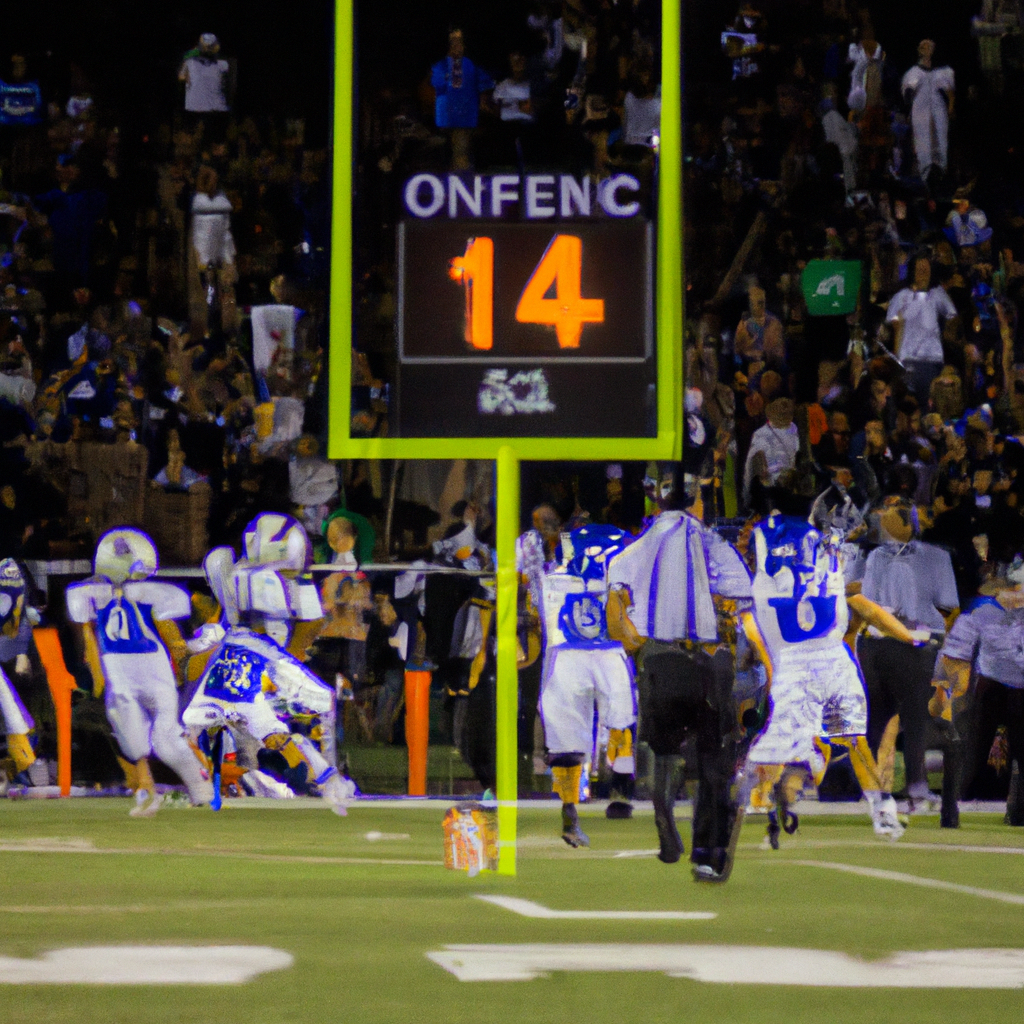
(778,440)
(641,112)
(512,94)
(917,313)
(930,91)
(207,78)
(211,254)
(512,98)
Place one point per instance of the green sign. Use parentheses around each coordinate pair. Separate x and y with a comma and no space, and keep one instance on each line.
(830,287)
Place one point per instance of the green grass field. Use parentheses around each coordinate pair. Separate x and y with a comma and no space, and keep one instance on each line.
(360,915)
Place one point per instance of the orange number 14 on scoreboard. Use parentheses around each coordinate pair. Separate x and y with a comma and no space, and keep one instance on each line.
(561,266)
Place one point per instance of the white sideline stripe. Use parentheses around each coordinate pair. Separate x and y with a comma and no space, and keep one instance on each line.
(145,965)
(899,876)
(13,846)
(636,853)
(527,908)
(751,965)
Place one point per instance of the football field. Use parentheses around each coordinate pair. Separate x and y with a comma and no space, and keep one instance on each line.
(281,912)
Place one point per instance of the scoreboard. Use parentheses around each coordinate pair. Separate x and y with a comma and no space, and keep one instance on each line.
(525,329)
(538,310)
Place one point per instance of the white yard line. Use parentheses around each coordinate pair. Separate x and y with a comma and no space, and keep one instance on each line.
(527,908)
(900,876)
(731,965)
(145,965)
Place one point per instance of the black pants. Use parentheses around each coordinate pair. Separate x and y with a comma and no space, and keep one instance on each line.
(898,679)
(993,705)
(474,726)
(686,697)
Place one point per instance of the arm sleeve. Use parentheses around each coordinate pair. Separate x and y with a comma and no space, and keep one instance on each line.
(869,583)
(946,596)
(165,599)
(756,445)
(438,77)
(962,640)
(81,606)
(896,306)
(944,304)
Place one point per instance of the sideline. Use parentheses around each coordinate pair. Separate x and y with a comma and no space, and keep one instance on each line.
(37,846)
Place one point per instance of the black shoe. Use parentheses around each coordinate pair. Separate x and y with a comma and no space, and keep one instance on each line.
(773,830)
(669,839)
(618,810)
(949,817)
(571,831)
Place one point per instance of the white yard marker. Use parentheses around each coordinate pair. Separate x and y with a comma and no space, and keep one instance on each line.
(752,965)
(899,876)
(527,908)
(145,965)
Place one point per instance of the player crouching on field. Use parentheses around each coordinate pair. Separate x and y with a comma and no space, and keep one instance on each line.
(249,672)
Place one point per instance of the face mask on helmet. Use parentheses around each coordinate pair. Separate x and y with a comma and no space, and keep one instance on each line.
(125,554)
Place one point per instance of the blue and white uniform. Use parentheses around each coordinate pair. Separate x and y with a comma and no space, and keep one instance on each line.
(583,670)
(251,683)
(801,612)
(140,689)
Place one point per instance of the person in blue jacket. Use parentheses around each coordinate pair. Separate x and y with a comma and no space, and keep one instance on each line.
(459,85)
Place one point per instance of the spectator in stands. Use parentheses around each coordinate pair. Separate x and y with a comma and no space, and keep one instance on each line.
(208,85)
(211,256)
(930,90)
(917,313)
(460,88)
(515,109)
(21,100)
(73,212)
(777,443)
(759,335)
